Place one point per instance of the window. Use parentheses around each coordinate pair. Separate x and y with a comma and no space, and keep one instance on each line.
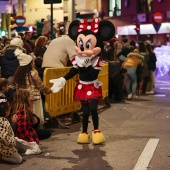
(114,8)
(144,6)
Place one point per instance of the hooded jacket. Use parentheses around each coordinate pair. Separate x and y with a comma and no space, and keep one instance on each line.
(9,61)
(133,60)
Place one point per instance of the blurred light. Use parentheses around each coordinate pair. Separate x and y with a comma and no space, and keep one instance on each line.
(160,95)
(117,36)
(163,61)
(30,29)
(3,33)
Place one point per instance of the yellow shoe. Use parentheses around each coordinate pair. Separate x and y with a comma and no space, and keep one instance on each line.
(83,138)
(97,137)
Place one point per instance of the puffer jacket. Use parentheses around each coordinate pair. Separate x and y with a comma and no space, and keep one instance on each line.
(133,60)
(9,61)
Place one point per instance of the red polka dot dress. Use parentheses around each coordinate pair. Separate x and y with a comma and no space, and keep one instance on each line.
(88,88)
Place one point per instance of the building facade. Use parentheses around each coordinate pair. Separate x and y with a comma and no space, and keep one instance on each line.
(123,14)
(129,11)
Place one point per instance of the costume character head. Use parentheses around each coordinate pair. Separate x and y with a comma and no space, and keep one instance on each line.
(89,38)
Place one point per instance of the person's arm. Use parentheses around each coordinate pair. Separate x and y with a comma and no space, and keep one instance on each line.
(73,71)
(35,121)
(39,84)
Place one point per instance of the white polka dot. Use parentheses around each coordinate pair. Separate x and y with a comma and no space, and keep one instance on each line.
(89,27)
(81,26)
(79,30)
(96,26)
(79,86)
(82,21)
(89,93)
(95,31)
(100,63)
(96,20)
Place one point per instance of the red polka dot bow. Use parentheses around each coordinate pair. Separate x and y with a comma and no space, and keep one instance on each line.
(94,26)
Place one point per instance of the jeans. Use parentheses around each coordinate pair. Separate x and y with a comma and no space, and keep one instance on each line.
(131,79)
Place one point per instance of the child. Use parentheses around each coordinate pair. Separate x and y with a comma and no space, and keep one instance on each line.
(26,77)
(21,108)
(7,141)
(38,66)
(5,90)
(3,86)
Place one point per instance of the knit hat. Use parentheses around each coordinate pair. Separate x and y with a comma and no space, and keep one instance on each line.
(17,41)
(23,58)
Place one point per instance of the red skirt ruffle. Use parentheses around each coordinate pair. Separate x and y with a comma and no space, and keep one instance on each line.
(87,92)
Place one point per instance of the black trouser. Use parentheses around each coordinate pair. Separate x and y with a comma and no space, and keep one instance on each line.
(87,108)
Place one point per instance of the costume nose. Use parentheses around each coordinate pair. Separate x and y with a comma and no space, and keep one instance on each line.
(82,48)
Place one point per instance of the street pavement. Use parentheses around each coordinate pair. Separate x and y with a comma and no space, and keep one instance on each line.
(137,138)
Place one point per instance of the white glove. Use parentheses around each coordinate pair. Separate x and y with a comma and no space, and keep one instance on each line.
(85,61)
(58,84)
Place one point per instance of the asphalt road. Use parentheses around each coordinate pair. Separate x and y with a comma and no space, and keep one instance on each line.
(137,138)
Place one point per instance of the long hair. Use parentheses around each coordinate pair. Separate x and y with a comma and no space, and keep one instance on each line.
(141,47)
(20,75)
(39,43)
(149,48)
(21,101)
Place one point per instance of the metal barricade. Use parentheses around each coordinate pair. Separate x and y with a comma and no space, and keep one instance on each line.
(62,102)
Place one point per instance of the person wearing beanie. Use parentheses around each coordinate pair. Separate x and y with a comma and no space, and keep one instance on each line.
(9,61)
(27,77)
(118,85)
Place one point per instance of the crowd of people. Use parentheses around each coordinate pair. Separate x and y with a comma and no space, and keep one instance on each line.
(22,92)
(22,109)
(134,63)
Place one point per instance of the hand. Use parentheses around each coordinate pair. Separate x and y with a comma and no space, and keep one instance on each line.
(58,84)
(86,61)
(34,120)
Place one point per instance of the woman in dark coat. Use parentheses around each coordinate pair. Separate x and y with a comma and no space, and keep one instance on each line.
(9,61)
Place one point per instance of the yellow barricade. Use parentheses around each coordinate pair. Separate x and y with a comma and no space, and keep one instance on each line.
(62,102)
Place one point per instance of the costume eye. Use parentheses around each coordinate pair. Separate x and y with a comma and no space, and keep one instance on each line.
(88,44)
(81,44)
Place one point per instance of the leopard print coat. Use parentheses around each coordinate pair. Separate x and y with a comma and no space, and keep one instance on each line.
(7,140)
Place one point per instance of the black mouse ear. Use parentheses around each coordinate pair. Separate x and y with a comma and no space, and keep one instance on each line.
(73,29)
(106,30)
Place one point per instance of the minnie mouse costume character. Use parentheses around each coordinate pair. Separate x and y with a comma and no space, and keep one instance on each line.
(89,40)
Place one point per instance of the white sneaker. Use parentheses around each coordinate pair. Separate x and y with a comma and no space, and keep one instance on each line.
(130,96)
(134,96)
(150,92)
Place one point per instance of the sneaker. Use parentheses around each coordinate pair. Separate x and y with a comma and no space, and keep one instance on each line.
(134,96)
(150,92)
(130,96)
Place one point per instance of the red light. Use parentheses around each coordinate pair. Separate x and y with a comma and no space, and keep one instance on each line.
(137,28)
